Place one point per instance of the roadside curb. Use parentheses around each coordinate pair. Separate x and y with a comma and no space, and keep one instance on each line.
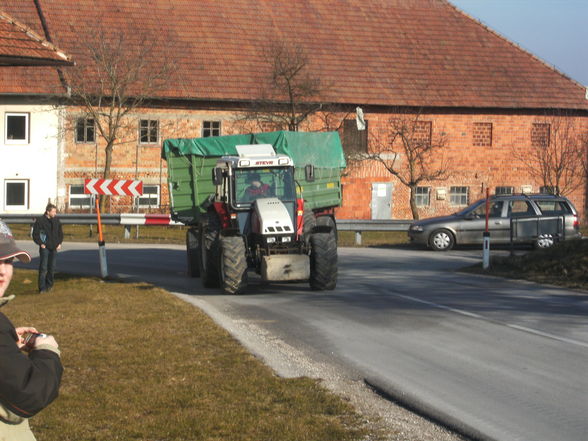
(398,396)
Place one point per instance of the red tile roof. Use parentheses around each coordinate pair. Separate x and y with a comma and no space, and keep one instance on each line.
(21,46)
(367,52)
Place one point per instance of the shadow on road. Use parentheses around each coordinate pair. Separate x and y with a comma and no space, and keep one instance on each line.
(369,285)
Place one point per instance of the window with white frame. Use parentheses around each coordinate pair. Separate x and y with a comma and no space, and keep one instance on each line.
(149,131)
(77,197)
(16,194)
(149,198)
(16,128)
(85,130)
(211,128)
(423,196)
(504,190)
(458,195)
(548,189)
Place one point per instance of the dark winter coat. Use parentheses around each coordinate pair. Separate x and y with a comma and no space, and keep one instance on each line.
(48,231)
(28,383)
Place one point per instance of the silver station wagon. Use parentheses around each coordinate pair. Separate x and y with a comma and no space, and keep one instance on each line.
(538,219)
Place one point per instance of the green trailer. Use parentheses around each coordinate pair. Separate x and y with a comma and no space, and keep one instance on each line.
(318,161)
(261,201)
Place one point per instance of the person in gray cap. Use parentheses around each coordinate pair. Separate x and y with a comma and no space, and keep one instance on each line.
(30,367)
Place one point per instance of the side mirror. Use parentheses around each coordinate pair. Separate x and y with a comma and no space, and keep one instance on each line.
(217,176)
(470,216)
(309,172)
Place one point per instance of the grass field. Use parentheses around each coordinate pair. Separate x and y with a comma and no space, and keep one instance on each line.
(142,365)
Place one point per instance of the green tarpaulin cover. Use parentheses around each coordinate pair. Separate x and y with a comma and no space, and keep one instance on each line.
(321,149)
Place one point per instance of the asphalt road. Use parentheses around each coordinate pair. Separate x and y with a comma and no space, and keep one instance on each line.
(499,360)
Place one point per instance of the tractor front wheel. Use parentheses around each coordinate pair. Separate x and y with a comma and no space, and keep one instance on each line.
(233,264)
(323,261)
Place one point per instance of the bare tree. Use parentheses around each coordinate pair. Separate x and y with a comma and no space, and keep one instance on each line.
(584,154)
(556,157)
(409,150)
(116,76)
(290,93)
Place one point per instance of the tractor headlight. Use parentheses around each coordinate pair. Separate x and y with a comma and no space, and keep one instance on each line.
(286,239)
(271,239)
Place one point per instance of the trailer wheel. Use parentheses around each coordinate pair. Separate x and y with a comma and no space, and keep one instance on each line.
(193,253)
(233,264)
(323,261)
(209,252)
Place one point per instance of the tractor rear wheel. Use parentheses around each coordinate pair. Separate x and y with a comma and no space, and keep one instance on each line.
(209,252)
(193,253)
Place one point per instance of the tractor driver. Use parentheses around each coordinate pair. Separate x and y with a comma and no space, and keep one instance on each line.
(257,189)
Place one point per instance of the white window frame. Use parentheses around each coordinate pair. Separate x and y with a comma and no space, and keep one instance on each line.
(500,190)
(151,195)
(148,128)
(89,197)
(548,189)
(211,128)
(27,128)
(85,129)
(421,196)
(25,206)
(453,195)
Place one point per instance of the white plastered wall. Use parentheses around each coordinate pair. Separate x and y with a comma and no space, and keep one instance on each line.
(35,163)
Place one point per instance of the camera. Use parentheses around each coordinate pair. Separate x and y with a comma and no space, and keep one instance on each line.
(29,338)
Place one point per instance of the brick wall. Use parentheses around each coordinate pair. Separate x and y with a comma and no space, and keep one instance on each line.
(483,150)
(479,149)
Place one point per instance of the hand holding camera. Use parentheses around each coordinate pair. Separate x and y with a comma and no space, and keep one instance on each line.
(30,338)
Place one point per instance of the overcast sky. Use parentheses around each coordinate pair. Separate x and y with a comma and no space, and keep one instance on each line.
(554,30)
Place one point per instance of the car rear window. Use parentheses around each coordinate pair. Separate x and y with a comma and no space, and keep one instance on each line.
(554,207)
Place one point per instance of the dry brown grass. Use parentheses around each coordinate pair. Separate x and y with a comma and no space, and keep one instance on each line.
(373,238)
(142,365)
(564,264)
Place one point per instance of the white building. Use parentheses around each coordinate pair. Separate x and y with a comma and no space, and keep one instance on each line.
(31,165)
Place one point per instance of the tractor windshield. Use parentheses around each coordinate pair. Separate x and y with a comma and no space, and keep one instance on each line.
(258,183)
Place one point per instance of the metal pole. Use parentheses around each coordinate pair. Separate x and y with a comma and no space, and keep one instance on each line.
(486,249)
(101,247)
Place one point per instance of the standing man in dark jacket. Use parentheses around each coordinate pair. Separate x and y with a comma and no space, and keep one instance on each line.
(30,374)
(47,233)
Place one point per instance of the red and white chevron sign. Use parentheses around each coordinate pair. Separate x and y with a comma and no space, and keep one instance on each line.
(113,187)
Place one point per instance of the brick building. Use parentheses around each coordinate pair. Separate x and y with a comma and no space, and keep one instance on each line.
(487,98)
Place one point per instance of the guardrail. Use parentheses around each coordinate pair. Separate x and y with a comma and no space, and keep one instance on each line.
(361,225)
(90,219)
(129,219)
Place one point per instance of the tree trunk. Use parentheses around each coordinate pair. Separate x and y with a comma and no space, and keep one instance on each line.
(106,174)
(413,205)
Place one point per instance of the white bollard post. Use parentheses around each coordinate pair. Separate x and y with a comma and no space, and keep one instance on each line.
(486,251)
(103,262)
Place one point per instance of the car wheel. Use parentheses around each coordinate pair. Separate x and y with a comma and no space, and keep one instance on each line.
(544,241)
(441,240)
